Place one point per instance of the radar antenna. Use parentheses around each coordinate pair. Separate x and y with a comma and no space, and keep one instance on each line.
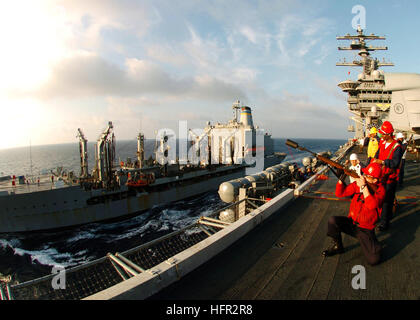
(359,42)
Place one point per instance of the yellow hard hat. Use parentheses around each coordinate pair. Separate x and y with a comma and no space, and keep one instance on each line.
(373,130)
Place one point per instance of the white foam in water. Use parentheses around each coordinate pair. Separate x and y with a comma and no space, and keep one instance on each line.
(10,243)
(103,227)
(176,218)
(46,255)
(132,232)
(165,226)
(83,235)
(168,218)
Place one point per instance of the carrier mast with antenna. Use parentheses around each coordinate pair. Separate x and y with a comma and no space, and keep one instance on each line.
(367,100)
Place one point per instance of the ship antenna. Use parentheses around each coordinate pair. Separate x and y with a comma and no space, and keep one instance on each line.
(358,42)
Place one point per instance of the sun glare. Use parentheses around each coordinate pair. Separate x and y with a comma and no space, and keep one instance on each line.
(21,122)
(31,33)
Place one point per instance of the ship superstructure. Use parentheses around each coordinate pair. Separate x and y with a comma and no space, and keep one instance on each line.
(376,95)
(236,142)
(368,100)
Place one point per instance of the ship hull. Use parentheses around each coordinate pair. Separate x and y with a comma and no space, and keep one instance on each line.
(68,207)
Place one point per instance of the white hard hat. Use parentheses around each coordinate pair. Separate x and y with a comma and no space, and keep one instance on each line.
(353,156)
(399,135)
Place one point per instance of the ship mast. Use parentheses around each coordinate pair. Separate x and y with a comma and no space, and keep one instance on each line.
(367,100)
(358,42)
(235,108)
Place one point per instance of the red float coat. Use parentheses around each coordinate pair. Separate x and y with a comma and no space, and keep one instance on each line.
(364,212)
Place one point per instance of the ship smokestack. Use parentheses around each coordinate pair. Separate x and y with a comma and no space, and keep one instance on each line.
(246,117)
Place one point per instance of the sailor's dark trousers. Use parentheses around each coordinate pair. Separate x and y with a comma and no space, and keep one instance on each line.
(401,176)
(367,238)
(386,216)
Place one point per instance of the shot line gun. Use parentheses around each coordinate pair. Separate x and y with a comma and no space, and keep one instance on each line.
(332,164)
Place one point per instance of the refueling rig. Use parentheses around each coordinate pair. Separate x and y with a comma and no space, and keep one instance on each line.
(103,174)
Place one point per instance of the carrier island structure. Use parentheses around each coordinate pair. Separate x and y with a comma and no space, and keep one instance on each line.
(377,96)
(222,152)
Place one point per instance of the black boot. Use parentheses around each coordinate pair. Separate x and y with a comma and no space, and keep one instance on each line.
(383,226)
(336,248)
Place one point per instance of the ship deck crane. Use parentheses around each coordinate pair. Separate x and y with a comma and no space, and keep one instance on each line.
(83,154)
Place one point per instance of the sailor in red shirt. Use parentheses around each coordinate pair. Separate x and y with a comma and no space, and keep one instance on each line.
(389,156)
(365,210)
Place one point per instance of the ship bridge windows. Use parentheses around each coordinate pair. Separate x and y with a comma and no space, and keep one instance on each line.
(375,92)
(375,101)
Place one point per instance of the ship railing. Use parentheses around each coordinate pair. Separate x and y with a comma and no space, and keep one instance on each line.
(87,279)
(6,293)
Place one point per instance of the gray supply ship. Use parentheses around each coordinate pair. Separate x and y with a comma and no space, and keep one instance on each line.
(113,192)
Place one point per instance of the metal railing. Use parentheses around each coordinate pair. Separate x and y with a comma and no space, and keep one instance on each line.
(89,278)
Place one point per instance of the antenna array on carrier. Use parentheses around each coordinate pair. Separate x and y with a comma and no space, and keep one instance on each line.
(359,42)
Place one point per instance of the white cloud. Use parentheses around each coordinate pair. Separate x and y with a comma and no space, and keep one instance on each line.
(95,15)
(302,35)
(249,34)
(167,54)
(244,75)
(205,54)
(89,75)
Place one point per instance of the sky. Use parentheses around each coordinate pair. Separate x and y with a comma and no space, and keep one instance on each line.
(146,65)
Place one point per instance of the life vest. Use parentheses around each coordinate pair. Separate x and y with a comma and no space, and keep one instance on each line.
(389,175)
(372,147)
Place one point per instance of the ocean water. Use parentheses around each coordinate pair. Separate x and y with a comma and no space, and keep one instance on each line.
(32,255)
